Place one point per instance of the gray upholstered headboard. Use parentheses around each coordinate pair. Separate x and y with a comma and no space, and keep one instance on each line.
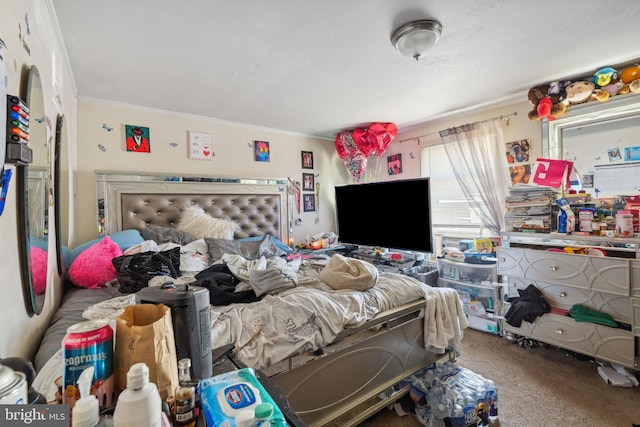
(128,201)
(257,214)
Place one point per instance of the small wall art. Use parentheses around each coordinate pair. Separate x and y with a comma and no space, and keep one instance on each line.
(394,164)
(517,151)
(137,139)
(309,202)
(307,181)
(261,151)
(520,174)
(200,146)
(307,159)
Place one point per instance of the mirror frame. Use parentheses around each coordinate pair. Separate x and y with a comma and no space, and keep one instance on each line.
(57,193)
(621,106)
(33,303)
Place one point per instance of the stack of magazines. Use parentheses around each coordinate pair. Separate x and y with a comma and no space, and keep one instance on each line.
(530,208)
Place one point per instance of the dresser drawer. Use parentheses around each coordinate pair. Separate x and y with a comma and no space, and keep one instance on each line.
(601,274)
(617,306)
(601,342)
(635,277)
(636,316)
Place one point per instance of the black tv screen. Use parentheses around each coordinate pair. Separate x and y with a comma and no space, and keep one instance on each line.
(389,214)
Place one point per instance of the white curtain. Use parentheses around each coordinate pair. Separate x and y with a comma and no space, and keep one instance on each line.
(477,155)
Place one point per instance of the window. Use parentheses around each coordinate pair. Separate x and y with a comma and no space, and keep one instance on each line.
(451,214)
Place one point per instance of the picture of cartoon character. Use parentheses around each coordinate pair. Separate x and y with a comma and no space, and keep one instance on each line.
(137,139)
(262,153)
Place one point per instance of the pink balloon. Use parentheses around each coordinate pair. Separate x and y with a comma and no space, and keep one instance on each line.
(383,134)
(342,152)
(345,145)
(364,141)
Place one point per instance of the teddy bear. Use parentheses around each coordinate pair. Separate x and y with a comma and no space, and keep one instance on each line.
(546,100)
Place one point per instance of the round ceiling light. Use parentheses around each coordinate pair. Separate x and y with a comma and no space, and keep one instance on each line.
(415,38)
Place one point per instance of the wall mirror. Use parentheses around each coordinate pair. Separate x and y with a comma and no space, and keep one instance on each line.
(61,193)
(33,190)
(602,139)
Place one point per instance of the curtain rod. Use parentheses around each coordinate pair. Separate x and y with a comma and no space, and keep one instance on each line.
(504,117)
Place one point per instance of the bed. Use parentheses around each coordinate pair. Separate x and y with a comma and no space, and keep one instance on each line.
(338,354)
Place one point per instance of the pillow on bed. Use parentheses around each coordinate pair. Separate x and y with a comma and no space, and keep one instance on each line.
(219,247)
(161,235)
(38,263)
(273,280)
(199,224)
(349,273)
(124,239)
(92,268)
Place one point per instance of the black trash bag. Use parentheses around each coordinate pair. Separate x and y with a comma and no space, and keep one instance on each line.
(135,271)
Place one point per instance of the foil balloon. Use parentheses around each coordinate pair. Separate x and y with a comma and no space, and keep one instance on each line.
(356,165)
(383,134)
(345,145)
(364,141)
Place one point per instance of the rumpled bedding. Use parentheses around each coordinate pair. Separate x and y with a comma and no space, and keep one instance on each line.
(309,314)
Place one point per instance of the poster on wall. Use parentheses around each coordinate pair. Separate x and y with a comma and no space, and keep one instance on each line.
(307,159)
(520,174)
(261,150)
(307,181)
(517,151)
(137,139)
(200,146)
(632,154)
(394,164)
(309,202)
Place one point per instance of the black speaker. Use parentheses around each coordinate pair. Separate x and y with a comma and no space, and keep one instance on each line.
(190,316)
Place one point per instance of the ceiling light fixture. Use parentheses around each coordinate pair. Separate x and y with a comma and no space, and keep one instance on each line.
(415,38)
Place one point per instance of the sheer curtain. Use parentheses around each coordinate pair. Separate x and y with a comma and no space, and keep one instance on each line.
(476,153)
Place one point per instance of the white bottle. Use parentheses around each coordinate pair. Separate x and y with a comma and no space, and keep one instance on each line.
(139,405)
(86,411)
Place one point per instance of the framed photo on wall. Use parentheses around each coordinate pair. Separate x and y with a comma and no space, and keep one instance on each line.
(200,146)
(307,182)
(394,164)
(261,151)
(309,202)
(137,139)
(307,159)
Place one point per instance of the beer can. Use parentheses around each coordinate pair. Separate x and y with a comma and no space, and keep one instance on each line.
(86,344)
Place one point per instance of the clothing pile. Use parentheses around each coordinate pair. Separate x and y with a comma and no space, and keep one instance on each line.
(529,305)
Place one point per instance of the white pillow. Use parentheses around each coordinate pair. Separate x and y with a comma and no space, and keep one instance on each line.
(196,222)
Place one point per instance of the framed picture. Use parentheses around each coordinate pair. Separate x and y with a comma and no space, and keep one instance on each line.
(309,202)
(200,146)
(614,154)
(517,151)
(307,159)
(394,164)
(520,174)
(307,182)
(137,139)
(261,150)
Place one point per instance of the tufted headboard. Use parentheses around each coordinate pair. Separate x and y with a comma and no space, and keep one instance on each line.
(136,201)
(257,214)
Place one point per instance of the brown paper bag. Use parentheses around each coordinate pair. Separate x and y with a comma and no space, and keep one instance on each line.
(144,333)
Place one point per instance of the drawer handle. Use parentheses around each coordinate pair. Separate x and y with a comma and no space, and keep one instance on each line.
(559,331)
(553,267)
(562,294)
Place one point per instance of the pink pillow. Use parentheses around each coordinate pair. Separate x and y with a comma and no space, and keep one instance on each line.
(38,263)
(92,268)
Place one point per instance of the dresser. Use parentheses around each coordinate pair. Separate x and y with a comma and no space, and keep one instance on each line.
(608,284)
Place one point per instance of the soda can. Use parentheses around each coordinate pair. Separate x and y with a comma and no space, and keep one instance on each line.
(86,344)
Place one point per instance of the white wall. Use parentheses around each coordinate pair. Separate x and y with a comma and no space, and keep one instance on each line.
(29,32)
(234,157)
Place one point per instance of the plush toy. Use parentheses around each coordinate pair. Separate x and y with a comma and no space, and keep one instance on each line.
(627,76)
(604,76)
(580,91)
(545,105)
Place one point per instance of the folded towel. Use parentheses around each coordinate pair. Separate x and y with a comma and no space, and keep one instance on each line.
(444,320)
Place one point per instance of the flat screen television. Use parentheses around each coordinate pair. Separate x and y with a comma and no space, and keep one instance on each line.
(389,214)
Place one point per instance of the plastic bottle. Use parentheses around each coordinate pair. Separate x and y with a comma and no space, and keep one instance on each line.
(184,414)
(457,416)
(86,411)
(139,405)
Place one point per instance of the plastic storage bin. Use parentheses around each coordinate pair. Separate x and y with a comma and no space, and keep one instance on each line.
(466,272)
(425,273)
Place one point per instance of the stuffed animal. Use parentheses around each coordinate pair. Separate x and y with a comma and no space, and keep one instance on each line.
(604,76)
(627,76)
(580,91)
(544,105)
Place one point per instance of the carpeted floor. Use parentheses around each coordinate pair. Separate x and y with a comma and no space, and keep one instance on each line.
(539,387)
